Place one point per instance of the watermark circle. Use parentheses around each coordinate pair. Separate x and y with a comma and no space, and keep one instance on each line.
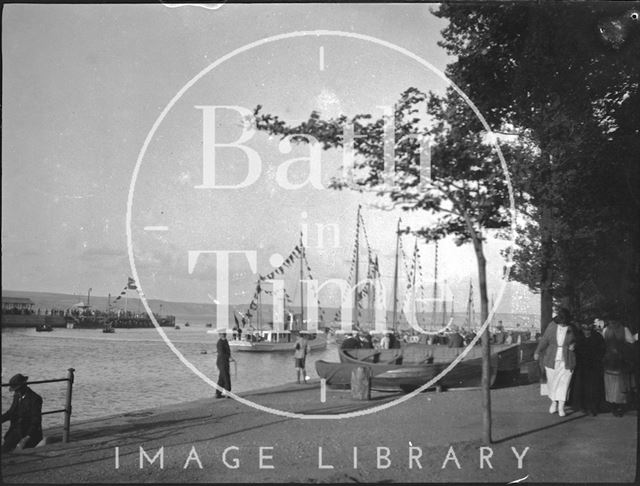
(231,55)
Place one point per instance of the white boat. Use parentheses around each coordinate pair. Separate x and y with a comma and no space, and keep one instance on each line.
(264,338)
(270,341)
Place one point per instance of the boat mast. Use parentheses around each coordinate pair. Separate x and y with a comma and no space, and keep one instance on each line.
(259,317)
(357,274)
(435,285)
(444,306)
(395,278)
(301,285)
(470,309)
(284,309)
(413,280)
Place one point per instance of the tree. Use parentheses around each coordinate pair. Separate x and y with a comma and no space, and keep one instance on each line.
(466,190)
(541,71)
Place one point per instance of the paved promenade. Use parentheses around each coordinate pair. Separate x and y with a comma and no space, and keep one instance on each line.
(433,437)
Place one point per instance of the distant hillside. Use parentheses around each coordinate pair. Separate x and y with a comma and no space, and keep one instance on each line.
(207,312)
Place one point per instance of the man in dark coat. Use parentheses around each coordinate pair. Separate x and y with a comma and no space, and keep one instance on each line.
(222,361)
(25,414)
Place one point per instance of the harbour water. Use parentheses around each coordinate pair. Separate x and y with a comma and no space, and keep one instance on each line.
(133,369)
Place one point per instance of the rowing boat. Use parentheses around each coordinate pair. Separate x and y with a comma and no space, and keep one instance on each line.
(412,366)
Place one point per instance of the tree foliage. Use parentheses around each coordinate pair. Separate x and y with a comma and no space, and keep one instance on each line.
(545,73)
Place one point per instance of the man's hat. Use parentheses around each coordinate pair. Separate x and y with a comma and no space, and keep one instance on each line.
(17,381)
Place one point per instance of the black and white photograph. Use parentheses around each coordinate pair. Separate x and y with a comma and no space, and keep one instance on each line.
(320,242)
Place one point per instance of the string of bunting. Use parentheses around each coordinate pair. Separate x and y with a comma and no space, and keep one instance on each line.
(253,305)
(297,253)
(131,284)
(338,315)
(321,315)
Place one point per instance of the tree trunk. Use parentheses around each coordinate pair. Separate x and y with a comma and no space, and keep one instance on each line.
(486,349)
(546,271)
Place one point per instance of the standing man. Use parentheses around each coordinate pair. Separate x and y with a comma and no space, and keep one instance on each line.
(25,414)
(302,349)
(222,361)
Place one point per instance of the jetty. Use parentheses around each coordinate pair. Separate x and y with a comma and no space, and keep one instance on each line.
(432,437)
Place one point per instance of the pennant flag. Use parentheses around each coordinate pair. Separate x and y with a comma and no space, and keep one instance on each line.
(131,284)
(235,318)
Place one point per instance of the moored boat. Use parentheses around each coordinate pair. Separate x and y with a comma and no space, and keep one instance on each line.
(413,366)
(270,341)
(44,328)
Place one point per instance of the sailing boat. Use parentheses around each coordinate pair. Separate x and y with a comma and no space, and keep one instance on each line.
(364,296)
(413,365)
(277,338)
(364,317)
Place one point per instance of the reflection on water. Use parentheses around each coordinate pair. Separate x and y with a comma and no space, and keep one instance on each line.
(132,369)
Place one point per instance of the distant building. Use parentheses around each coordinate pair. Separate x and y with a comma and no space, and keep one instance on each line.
(17,303)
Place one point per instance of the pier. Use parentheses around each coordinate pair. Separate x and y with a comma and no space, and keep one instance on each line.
(422,440)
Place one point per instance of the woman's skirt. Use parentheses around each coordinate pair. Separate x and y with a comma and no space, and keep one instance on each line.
(558,380)
(617,386)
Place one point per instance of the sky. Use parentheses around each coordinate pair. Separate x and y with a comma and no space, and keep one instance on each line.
(86,87)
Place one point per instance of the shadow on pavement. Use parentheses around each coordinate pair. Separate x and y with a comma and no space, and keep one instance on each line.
(539,429)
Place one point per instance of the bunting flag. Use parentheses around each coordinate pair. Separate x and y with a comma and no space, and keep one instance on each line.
(297,252)
(131,284)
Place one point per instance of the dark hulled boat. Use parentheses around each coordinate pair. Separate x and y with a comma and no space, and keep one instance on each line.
(411,367)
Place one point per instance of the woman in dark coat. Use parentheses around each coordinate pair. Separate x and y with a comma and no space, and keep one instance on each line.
(618,365)
(587,390)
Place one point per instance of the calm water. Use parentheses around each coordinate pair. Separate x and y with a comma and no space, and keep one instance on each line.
(132,369)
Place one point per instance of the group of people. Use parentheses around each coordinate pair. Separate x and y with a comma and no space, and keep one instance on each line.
(363,340)
(586,367)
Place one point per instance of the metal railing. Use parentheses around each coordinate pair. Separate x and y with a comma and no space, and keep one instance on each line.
(67,407)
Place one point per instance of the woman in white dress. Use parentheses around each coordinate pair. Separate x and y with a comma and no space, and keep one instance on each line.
(557,349)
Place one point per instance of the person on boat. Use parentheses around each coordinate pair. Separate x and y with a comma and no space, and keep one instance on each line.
(350,342)
(365,340)
(619,363)
(222,362)
(25,415)
(456,340)
(302,349)
(557,347)
(587,389)
(385,342)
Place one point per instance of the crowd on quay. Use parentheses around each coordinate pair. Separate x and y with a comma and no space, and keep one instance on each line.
(454,337)
(70,312)
(591,367)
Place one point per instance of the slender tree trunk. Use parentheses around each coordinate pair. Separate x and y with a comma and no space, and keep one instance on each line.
(546,271)
(486,349)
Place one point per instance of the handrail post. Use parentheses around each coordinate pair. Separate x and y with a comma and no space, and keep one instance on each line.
(67,407)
